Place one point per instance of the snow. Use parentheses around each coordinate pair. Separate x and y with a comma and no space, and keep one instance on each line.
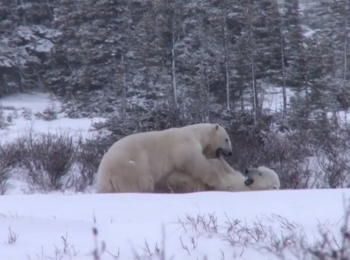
(15,56)
(23,108)
(196,225)
(34,33)
(342,116)
(126,221)
(272,97)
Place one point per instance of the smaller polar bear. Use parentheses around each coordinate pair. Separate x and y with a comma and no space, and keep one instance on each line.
(138,161)
(261,178)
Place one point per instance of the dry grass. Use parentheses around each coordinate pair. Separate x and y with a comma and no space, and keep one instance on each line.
(12,237)
(274,236)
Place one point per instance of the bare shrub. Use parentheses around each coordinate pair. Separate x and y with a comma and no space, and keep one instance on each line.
(241,235)
(201,223)
(335,167)
(67,249)
(87,159)
(330,247)
(286,155)
(158,253)
(267,144)
(9,158)
(333,158)
(98,251)
(258,234)
(46,158)
(12,237)
(272,234)
(331,147)
(327,246)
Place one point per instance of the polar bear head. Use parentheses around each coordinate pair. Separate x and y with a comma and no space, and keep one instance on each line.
(262,178)
(220,142)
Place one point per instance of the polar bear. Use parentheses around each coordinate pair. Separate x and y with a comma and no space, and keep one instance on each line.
(138,161)
(261,178)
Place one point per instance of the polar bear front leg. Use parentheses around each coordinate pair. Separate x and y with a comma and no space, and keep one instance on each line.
(198,166)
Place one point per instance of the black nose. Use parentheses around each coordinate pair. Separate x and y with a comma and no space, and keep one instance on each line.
(248,181)
(229,153)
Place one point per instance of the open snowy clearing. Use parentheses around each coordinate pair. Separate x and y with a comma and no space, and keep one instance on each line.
(60,227)
(22,112)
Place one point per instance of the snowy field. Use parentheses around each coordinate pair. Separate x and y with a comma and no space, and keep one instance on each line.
(196,226)
(208,225)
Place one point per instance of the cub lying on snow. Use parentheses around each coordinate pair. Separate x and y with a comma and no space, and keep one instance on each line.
(261,178)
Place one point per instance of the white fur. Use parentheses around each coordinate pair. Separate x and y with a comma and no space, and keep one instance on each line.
(264,178)
(232,180)
(138,161)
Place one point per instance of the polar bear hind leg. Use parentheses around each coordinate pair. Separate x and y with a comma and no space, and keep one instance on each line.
(127,177)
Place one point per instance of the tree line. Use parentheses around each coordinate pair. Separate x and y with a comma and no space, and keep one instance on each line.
(120,53)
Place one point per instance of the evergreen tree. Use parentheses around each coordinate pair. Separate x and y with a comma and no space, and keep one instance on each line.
(25,40)
(97,51)
(294,43)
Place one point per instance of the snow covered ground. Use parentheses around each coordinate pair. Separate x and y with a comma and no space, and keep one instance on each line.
(196,225)
(208,225)
(22,112)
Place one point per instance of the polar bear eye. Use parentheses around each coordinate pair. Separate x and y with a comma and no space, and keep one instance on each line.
(260,173)
(226,140)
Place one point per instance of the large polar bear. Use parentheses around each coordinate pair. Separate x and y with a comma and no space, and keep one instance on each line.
(138,161)
(261,178)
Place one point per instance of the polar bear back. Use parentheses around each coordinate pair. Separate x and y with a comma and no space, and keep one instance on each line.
(181,182)
(161,149)
(263,179)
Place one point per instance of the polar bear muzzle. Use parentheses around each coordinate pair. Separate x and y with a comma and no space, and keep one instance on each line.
(227,153)
(221,151)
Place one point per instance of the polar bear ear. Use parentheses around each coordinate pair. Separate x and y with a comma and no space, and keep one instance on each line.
(246,171)
(216,127)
